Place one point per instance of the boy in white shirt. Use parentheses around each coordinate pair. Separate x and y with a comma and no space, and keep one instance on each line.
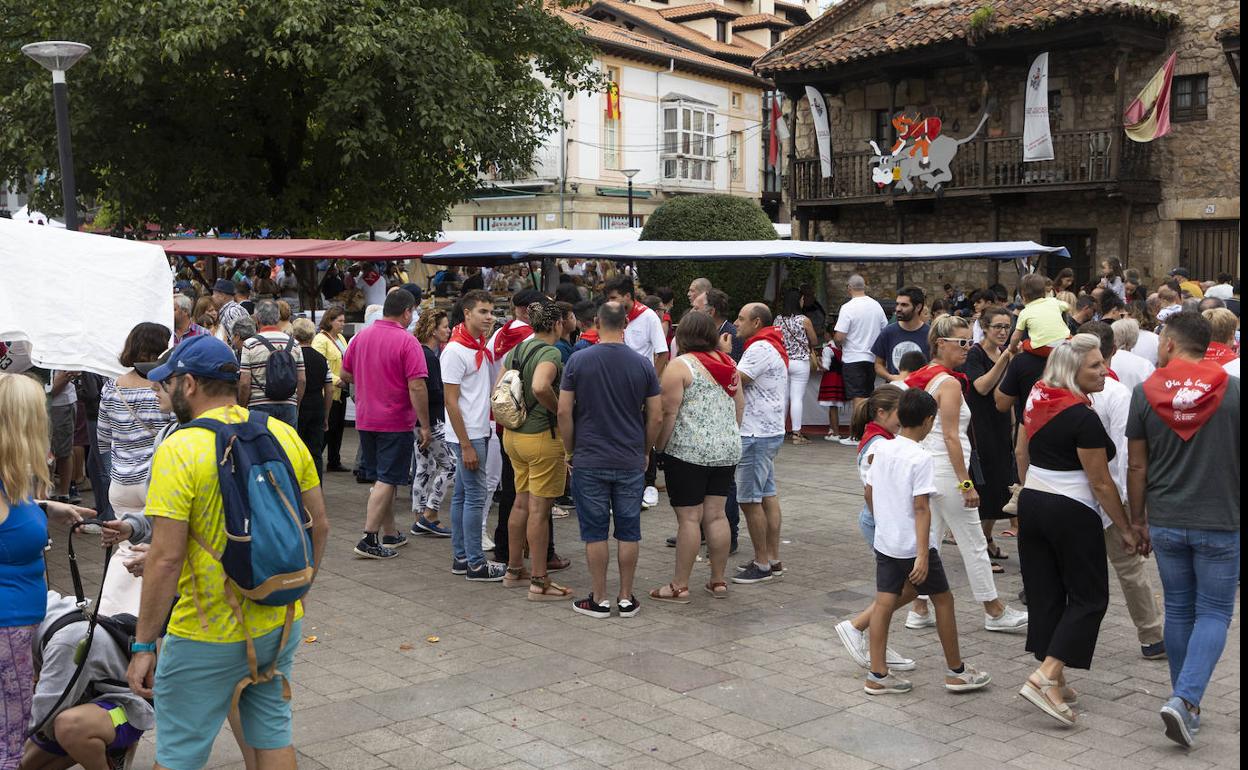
(899,484)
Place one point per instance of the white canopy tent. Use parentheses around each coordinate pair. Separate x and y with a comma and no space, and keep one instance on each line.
(25,214)
(75,296)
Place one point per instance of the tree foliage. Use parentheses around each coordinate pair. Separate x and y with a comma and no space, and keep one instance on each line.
(320,116)
(709,218)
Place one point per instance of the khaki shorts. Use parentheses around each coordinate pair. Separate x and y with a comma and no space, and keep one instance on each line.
(61,419)
(538,462)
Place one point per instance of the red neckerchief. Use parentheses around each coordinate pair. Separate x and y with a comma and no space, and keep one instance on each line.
(590,336)
(371,277)
(873,429)
(1185,394)
(461,335)
(636,310)
(1219,353)
(721,367)
(922,377)
(513,333)
(771,335)
(1110,373)
(1046,402)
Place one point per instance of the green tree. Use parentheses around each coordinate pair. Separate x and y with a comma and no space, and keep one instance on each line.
(709,218)
(320,116)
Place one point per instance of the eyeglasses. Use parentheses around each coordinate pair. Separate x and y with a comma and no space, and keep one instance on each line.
(961,342)
(1000,327)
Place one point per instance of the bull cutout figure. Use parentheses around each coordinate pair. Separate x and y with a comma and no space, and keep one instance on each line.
(929,158)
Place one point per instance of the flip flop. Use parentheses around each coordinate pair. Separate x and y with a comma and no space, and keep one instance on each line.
(1008,533)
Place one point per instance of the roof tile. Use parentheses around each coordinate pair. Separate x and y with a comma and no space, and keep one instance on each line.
(761,20)
(696,10)
(742,48)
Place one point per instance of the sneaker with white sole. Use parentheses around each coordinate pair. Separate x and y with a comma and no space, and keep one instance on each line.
(855,643)
(1010,619)
(458,566)
(397,540)
(487,572)
(366,551)
(968,680)
(592,608)
(649,497)
(486,543)
(629,607)
(915,621)
(887,686)
(847,441)
(1181,723)
(752,574)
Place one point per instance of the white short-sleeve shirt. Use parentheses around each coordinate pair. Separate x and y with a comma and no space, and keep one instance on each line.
(1131,368)
(1112,405)
(459,367)
(644,334)
(900,471)
(861,320)
(765,393)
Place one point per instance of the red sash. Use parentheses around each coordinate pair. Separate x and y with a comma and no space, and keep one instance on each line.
(1046,402)
(873,429)
(1110,373)
(721,367)
(371,277)
(636,310)
(924,376)
(590,336)
(460,334)
(771,335)
(1220,354)
(513,333)
(1185,394)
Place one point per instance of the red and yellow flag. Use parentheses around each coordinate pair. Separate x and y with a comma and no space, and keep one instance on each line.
(1148,116)
(613,101)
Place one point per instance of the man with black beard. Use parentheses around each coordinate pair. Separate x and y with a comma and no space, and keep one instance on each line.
(905,334)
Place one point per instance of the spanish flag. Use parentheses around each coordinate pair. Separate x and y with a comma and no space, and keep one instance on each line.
(1148,117)
(613,101)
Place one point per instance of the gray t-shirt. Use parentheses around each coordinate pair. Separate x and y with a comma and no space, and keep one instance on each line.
(1191,484)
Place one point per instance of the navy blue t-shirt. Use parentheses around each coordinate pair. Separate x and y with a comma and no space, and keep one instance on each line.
(612,384)
(894,342)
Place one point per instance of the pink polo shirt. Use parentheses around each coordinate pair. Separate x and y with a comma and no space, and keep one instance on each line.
(382,359)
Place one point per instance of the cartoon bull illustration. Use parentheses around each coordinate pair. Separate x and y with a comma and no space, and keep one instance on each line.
(933,170)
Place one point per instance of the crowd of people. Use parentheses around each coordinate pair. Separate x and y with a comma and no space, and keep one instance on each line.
(1101,427)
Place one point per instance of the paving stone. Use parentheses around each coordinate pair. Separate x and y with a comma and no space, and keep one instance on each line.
(761,703)
(872,741)
(666,671)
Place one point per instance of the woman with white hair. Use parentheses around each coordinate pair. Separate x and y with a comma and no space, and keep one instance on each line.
(1068,500)
(1127,366)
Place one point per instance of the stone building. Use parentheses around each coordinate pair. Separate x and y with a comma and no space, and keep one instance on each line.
(1153,205)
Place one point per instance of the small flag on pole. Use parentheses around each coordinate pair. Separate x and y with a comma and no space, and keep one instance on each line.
(1148,116)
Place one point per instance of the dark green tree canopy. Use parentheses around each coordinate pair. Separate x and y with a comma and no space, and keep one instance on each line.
(709,218)
(316,115)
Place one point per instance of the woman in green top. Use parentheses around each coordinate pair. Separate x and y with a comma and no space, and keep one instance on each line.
(536,453)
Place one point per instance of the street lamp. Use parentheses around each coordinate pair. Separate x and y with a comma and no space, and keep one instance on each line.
(58,56)
(630,173)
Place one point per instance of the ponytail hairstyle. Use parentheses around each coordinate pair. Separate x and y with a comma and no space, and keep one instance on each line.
(884,398)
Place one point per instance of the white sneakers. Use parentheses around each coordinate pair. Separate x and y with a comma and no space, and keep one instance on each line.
(847,441)
(650,497)
(856,644)
(1009,620)
(915,621)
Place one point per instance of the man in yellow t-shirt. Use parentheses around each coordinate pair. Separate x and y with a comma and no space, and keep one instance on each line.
(204,654)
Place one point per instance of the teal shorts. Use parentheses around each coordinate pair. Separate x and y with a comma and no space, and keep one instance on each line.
(194,684)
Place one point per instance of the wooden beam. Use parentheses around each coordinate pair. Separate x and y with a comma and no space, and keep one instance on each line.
(792,97)
(1120,97)
(1124,233)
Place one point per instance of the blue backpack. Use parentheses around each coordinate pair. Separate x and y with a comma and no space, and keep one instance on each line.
(268,549)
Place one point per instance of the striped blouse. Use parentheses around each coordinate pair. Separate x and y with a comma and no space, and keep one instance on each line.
(130,419)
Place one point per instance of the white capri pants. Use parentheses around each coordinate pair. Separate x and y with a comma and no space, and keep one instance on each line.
(949,512)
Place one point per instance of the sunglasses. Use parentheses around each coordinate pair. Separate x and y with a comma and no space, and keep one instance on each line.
(961,342)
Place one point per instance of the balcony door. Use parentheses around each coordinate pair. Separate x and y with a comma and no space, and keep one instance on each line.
(1082,247)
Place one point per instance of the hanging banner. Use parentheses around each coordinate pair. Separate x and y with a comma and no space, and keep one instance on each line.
(613,101)
(823,135)
(773,139)
(1037,140)
(1148,116)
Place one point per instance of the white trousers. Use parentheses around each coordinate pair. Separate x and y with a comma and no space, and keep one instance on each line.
(799,375)
(948,512)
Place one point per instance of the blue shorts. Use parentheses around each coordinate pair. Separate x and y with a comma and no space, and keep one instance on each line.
(194,685)
(388,454)
(756,473)
(603,494)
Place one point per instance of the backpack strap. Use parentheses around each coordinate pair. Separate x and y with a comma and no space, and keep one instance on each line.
(264,341)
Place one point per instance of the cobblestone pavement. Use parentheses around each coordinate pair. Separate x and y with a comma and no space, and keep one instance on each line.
(757,681)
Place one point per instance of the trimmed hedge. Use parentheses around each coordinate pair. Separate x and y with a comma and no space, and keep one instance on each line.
(708,218)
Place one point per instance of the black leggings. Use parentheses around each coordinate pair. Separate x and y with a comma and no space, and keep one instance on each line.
(1061,548)
(333,436)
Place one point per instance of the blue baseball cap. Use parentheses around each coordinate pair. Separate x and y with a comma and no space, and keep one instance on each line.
(224,285)
(201,356)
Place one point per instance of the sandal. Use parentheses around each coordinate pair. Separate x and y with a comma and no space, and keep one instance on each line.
(674,595)
(1008,533)
(1036,690)
(997,569)
(548,590)
(516,577)
(948,540)
(799,439)
(717,588)
(994,551)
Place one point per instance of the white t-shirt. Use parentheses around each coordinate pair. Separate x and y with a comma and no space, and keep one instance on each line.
(766,391)
(644,334)
(1146,346)
(1232,368)
(865,457)
(459,367)
(1221,291)
(496,366)
(1130,368)
(68,395)
(1112,405)
(861,319)
(375,294)
(901,471)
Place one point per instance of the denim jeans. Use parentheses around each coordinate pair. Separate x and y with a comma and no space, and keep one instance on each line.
(1199,577)
(287,413)
(604,495)
(866,525)
(467,502)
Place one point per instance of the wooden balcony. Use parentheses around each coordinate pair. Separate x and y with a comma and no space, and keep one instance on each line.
(1091,159)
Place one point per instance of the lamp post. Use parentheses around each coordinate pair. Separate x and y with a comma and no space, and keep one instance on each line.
(58,56)
(630,173)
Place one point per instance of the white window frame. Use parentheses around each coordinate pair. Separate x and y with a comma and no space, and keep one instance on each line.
(611,128)
(688,152)
(736,148)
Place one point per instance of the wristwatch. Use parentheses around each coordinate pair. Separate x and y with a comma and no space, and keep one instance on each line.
(965,485)
(142,647)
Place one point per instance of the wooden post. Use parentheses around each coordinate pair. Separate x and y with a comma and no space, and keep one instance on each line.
(1124,233)
(994,229)
(1120,95)
(792,176)
(901,238)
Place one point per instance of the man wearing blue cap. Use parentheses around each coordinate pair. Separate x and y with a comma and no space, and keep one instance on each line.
(228,311)
(205,650)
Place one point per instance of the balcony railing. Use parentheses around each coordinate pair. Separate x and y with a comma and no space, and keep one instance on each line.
(1080,159)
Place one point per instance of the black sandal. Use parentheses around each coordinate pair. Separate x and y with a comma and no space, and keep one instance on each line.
(994,551)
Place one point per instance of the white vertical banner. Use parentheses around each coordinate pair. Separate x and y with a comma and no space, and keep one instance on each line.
(819,114)
(1037,141)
